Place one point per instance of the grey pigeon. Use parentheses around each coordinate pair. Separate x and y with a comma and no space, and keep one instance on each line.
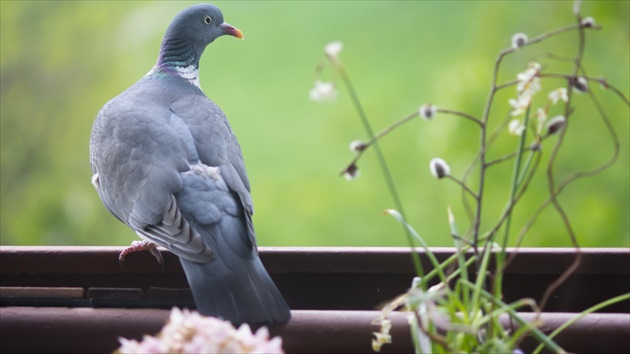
(166,163)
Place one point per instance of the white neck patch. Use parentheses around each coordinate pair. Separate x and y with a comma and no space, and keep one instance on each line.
(190,73)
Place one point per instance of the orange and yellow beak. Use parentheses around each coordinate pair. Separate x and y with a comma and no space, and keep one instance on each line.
(231,30)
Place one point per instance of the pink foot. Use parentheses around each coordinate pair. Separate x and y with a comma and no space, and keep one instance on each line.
(144,245)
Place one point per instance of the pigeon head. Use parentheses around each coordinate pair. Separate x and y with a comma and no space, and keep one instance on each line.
(187,37)
(201,24)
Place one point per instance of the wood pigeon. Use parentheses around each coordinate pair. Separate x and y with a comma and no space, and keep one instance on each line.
(166,163)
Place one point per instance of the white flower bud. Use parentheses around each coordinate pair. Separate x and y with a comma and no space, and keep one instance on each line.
(357,146)
(587,22)
(427,111)
(556,124)
(333,49)
(351,172)
(519,40)
(439,168)
(580,84)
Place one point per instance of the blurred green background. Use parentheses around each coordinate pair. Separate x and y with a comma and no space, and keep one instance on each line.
(61,61)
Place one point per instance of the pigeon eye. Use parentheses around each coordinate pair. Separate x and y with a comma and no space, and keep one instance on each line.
(207,20)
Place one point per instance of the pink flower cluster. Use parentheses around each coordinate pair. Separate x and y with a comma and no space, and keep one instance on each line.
(189,332)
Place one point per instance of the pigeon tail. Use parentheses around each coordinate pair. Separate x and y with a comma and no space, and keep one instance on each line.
(234,284)
(243,295)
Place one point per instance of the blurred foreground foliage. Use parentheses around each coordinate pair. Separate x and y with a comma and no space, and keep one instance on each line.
(62,60)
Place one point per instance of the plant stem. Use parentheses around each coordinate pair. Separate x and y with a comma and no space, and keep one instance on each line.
(381,159)
(538,334)
(591,309)
(463,185)
(461,261)
(516,172)
(553,191)
(395,125)
(461,114)
(481,277)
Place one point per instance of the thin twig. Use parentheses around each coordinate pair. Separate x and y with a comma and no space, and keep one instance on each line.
(464,186)
(378,136)
(390,128)
(469,168)
(461,114)
(550,174)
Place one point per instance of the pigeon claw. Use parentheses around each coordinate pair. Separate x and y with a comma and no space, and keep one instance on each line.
(137,246)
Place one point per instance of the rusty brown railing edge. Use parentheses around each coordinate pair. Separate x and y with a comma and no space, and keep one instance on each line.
(98,259)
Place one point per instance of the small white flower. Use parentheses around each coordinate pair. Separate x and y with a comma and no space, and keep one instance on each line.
(519,104)
(587,22)
(439,168)
(378,342)
(529,79)
(323,91)
(386,325)
(376,346)
(533,68)
(556,124)
(519,40)
(333,49)
(189,332)
(532,87)
(559,94)
(516,127)
(382,337)
(427,111)
(528,85)
(357,146)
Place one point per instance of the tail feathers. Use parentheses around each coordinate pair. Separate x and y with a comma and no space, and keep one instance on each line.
(244,295)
